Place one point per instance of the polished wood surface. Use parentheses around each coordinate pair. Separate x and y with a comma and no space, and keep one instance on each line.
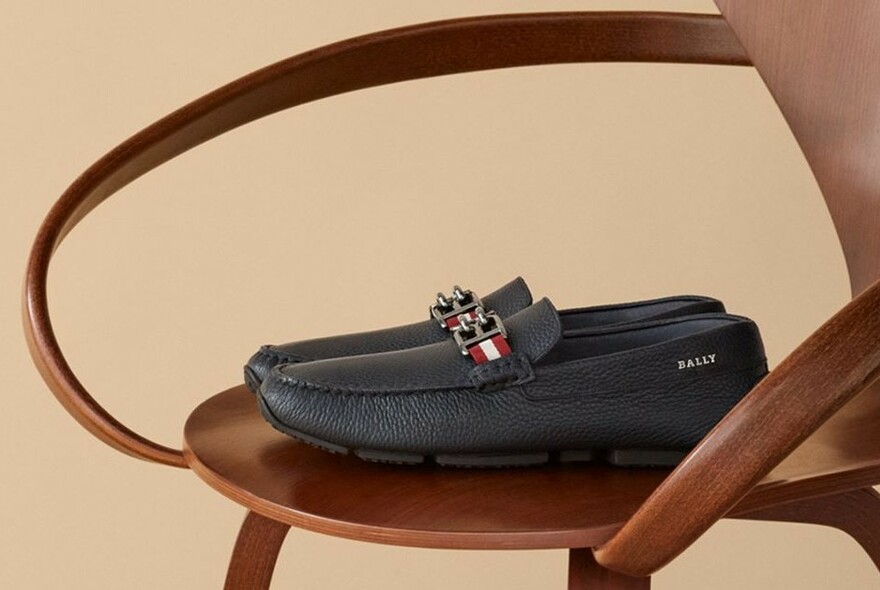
(819,59)
(235,451)
(231,447)
(256,550)
(419,51)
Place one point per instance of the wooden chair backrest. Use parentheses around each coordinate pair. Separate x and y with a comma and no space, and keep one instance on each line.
(821,61)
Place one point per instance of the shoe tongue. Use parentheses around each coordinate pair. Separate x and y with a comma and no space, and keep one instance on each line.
(534,331)
(509,299)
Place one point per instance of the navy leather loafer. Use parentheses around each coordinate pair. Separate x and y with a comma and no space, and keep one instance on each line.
(506,301)
(524,391)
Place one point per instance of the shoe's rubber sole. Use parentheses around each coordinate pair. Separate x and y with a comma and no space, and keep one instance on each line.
(619,457)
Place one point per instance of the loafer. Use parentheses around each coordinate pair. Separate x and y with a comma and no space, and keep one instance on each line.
(525,391)
(506,301)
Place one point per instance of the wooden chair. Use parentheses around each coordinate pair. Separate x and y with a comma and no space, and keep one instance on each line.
(803,446)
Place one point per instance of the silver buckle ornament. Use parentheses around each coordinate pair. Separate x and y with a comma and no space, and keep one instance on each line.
(480,328)
(448,309)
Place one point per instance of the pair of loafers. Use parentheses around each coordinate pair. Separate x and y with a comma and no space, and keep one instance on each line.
(502,381)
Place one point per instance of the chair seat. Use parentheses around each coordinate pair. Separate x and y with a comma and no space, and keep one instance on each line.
(229,446)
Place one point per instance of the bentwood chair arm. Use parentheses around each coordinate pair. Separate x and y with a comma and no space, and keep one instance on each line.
(837,362)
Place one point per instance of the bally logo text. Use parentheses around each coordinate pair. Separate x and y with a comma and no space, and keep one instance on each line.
(699,361)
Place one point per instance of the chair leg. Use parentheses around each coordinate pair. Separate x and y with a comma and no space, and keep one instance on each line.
(585,574)
(856,513)
(256,549)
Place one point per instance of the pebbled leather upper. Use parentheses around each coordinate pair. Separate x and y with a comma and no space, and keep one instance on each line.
(621,387)
(506,301)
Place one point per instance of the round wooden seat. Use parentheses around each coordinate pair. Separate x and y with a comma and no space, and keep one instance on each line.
(229,445)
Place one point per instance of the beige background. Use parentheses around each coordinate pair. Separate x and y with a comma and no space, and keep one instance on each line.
(602,182)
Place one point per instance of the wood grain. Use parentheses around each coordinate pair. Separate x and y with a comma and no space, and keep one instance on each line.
(419,51)
(256,551)
(819,59)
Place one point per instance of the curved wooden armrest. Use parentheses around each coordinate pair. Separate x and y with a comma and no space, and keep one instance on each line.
(833,365)
(420,51)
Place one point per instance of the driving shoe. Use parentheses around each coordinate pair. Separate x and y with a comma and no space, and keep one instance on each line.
(444,313)
(525,391)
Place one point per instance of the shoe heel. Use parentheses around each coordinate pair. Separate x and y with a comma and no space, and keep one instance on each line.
(644,457)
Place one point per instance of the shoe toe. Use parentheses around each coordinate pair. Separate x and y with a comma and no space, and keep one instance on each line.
(321,404)
(261,364)
(291,405)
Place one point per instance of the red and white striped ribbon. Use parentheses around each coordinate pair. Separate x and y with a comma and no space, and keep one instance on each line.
(453,323)
(489,349)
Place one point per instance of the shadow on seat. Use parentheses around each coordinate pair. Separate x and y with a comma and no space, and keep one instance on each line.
(231,447)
